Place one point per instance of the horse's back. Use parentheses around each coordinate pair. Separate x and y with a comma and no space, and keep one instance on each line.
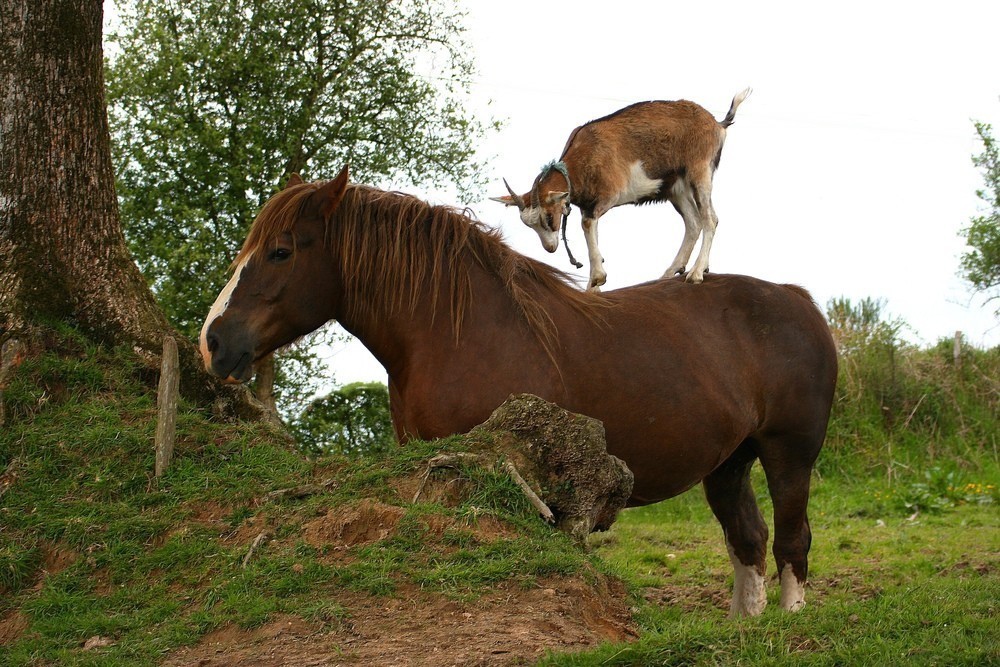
(689,372)
(729,313)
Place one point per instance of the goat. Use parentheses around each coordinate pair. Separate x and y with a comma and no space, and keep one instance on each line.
(647,152)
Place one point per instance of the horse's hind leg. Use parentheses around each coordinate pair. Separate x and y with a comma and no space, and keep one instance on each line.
(731,498)
(788,469)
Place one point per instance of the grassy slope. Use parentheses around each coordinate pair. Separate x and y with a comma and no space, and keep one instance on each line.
(155,564)
(146,563)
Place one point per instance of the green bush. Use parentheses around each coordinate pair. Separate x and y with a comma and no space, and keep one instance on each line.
(899,407)
(353,420)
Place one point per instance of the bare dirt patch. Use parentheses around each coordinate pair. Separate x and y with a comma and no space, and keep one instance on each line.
(12,626)
(363,522)
(508,626)
(689,598)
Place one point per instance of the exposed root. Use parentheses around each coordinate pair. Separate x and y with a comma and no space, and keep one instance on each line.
(454,460)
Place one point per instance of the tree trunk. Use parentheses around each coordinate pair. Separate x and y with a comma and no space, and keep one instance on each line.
(62,252)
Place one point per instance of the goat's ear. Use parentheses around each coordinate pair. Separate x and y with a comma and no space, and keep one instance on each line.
(506,200)
(294,179)
(557,197)
(329,195)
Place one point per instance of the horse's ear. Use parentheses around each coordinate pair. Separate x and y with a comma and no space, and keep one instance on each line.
(294,179)
(329,195)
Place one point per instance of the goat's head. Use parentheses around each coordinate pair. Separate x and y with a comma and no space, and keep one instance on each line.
(541,209)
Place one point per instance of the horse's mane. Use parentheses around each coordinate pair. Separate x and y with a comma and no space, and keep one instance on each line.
(392,247)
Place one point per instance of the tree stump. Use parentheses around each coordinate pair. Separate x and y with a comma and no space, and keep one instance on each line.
(562,457)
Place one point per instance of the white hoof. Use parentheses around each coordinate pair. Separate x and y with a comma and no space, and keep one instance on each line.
(749,595)
(793,591)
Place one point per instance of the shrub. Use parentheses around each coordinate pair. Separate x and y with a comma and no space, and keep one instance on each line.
(900,406)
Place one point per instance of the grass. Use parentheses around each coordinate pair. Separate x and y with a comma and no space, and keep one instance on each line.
(91,544)
(887,586)
(904,566)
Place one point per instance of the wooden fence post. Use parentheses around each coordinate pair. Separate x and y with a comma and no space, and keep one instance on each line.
(264,382)
(957,350)
(166,401)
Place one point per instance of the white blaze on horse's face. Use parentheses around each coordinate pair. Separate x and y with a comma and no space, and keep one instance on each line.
(219,307)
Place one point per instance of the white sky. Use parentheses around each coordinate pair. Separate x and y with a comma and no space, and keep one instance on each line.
(848,170)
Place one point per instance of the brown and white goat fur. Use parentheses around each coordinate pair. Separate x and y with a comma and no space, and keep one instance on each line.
(647,152)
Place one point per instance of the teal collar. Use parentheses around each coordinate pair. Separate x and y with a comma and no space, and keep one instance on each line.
(560,166)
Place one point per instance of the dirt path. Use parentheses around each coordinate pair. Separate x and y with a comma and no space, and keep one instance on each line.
(509,626)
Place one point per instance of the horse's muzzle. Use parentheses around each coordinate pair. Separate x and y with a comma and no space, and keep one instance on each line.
(232,361)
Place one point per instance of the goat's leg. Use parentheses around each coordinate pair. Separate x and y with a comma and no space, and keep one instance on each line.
(598,276)
(692,228)
(709,220)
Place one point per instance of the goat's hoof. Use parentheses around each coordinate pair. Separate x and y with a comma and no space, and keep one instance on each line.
(596,282)
(668,274)
(694,278)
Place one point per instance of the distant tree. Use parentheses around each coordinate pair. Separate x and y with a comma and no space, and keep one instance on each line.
(214,103)
(862,324)
(352,420)
(981,264)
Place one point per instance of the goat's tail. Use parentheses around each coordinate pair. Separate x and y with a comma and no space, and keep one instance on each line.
(737,101)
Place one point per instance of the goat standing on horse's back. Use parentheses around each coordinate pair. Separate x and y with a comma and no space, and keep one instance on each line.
(647,152)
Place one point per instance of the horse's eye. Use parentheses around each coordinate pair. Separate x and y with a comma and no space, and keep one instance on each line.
(279,254)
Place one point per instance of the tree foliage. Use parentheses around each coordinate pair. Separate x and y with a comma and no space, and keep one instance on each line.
(213,103)
(352,420)
(861,324)
(981,264)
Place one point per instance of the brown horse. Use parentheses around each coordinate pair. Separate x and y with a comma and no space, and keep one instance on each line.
(693,382)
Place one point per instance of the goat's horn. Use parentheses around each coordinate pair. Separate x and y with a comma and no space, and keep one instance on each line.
(535,198)
(518,199)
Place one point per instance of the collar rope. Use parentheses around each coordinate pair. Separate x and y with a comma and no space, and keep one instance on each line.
(560,166)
